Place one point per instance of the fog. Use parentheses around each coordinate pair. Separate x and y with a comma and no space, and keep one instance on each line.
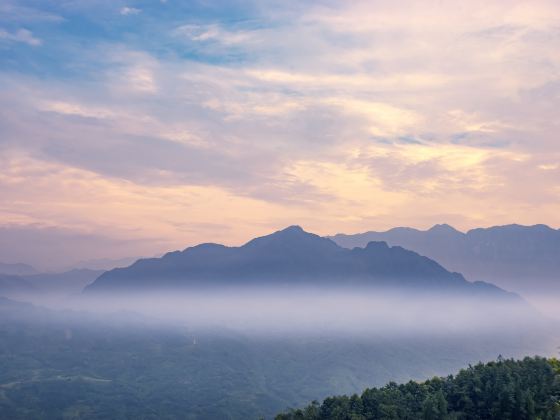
(255,351)
(310,311)
(547,303)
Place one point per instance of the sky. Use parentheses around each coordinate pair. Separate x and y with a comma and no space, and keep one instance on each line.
(130,128)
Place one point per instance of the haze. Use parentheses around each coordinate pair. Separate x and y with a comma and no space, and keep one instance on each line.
(225,209)
(267,310)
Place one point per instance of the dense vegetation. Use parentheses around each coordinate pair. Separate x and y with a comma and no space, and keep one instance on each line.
(71,365)
(505,389)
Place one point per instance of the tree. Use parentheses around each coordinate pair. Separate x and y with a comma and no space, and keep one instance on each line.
(435,407)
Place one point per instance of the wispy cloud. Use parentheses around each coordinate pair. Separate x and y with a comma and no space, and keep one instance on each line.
(125,11)
(11,11)
(67,108)
(21,35)
(214,32)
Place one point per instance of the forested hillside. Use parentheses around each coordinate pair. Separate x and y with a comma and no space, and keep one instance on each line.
(71,364)
(505,389)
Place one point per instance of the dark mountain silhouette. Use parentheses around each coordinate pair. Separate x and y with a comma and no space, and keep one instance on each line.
(17,269)
(522,258)
(288,257)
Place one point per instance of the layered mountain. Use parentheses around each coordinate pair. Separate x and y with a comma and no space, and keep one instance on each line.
(523,258)
(286,258)
(17,269)
(61,284)
(104,264)
(11,285)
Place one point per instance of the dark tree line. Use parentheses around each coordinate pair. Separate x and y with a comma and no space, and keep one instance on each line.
(504,389)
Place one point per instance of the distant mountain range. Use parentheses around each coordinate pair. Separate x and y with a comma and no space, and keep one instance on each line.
(103,264)
(520,258)
(17,269)
(63,284)
(288,257)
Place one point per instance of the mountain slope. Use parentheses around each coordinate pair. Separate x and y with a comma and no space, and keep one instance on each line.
(116,366)
(68,282)
(287,257)
(506,389)
(11,285)
(17,269)
(522,258)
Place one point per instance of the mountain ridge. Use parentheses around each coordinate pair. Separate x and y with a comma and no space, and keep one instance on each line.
(17,269)
(518,257)
(289,256)
(42,284)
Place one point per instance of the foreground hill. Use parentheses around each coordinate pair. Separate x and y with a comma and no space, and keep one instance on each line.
(289,257)
(519,258)
(502,390)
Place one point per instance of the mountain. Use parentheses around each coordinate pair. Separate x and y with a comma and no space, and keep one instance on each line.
(60,284)
(520,258)
(17,269)
(286,258)
(68,282)
(11,285)
(104,264)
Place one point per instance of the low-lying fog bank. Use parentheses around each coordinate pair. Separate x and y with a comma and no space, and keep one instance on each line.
(547,303)
(244,354)
(307,310)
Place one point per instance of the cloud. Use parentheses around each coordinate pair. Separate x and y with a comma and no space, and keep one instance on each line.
(12,12)
(141,79)
(343,116)
(549,166)
(21,35)
(384,119)
(126,11)
(66,108)
(213,32)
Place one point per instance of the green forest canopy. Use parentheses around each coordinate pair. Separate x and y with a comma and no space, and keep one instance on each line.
(504,389)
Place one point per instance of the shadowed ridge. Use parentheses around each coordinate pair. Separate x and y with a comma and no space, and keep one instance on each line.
(444,228)
(377,246)
(12,284)
(516,228)
(203,247)
(398,262)
(17,269)
(400,229)
(525,259)
(292,239)
(286,258)
(437,228)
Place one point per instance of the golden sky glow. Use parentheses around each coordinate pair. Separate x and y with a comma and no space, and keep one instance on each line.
(338,116)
